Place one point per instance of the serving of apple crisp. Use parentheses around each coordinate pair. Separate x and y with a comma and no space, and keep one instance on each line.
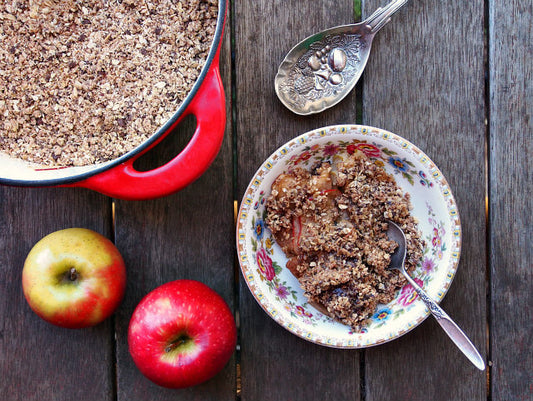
(331,223)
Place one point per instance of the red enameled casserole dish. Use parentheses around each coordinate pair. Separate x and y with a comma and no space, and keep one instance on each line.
(118,178)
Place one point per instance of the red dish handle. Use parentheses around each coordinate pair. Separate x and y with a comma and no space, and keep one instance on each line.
(209,108)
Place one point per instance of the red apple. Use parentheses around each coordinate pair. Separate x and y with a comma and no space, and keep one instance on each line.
(181,334)
(74,278)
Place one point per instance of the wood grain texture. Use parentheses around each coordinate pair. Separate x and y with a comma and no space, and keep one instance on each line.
(39,361)
(427,80)
(511,186)
(275,364)
(426,83)
(188,235)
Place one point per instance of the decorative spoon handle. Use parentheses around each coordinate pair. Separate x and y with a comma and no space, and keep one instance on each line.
(382,15)
(450,327)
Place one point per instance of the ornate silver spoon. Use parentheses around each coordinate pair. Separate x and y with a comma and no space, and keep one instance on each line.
(460,339)
(322,69)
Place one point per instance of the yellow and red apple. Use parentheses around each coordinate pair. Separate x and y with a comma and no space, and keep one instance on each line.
(74,278)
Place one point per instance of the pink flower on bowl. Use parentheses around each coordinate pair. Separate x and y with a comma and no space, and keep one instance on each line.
(436,242)
(281,291)
(265,264)
(350,149)
(305,156)
(408,293)
(331,150)
(300,311)
(428,265)
(369,150)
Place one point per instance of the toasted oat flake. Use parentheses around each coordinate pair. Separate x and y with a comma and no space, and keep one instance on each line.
(331,223)
(85,81)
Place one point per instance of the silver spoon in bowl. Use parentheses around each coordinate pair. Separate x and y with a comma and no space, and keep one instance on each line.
(322,69)
(460,339)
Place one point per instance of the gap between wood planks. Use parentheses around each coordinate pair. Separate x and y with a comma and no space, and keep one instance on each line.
(488,278)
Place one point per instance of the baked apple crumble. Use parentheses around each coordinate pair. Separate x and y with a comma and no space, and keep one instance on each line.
(331,223)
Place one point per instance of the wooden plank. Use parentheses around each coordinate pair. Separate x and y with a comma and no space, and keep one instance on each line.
(188,235)
(425,82)
(39,361)
(275,364)
(511,185)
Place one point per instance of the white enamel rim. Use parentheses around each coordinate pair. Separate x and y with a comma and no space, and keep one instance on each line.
(438,200)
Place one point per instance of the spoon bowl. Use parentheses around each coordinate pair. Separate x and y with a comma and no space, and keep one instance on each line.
(460,339)
(322,69)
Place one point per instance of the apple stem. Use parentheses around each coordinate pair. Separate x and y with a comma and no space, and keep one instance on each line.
(73,274)
(174,344)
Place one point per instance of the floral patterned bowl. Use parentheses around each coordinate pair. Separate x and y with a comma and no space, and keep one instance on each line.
(263,262)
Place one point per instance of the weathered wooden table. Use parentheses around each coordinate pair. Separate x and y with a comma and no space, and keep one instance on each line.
(454,78)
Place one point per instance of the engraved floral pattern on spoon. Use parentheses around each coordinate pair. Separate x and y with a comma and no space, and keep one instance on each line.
(324,69)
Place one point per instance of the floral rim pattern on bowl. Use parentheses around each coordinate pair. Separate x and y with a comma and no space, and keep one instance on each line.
(277,290)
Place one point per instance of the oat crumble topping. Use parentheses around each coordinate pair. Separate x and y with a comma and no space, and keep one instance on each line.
(331,223)
(85,81)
